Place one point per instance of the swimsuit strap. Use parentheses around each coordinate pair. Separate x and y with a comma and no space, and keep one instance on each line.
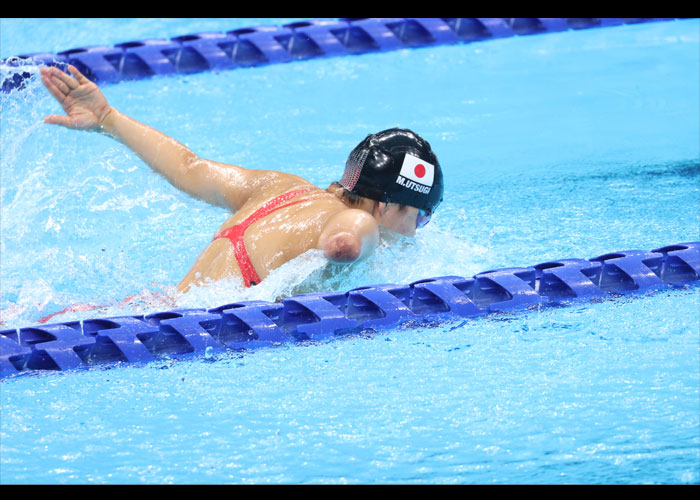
(273,205)
(235,233)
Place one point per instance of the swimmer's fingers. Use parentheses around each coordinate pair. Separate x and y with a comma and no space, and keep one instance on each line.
(51,85)
(63,79)
(59,120)
(82,79)
(60,96)
(61,84)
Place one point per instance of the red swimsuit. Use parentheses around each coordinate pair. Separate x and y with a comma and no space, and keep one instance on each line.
(235,233)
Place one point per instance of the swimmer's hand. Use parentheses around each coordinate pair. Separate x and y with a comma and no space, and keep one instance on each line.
(80,98)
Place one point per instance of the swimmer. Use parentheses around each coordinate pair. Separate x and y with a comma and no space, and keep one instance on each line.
(391,179)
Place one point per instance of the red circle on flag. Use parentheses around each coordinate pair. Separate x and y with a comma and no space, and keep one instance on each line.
(419,170)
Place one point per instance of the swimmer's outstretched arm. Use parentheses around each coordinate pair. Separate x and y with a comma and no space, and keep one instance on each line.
(87,109)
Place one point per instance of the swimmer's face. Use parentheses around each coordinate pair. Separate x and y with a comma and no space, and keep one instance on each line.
(398,218)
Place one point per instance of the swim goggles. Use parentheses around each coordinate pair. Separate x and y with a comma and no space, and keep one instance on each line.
(423,218)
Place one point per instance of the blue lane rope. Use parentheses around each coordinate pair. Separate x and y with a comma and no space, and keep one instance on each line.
(311,39)
(323,316)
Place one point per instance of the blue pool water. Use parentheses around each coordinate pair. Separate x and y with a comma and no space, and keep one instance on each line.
(568,144)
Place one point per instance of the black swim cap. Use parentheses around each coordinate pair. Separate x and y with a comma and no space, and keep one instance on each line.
(395,166)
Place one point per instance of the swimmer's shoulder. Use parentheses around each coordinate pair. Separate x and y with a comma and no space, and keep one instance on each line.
(349,234)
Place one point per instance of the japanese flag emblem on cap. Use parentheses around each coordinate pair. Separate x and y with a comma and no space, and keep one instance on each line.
(418,170)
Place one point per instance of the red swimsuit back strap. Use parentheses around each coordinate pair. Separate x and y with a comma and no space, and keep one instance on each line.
(235,233)
(273,205)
